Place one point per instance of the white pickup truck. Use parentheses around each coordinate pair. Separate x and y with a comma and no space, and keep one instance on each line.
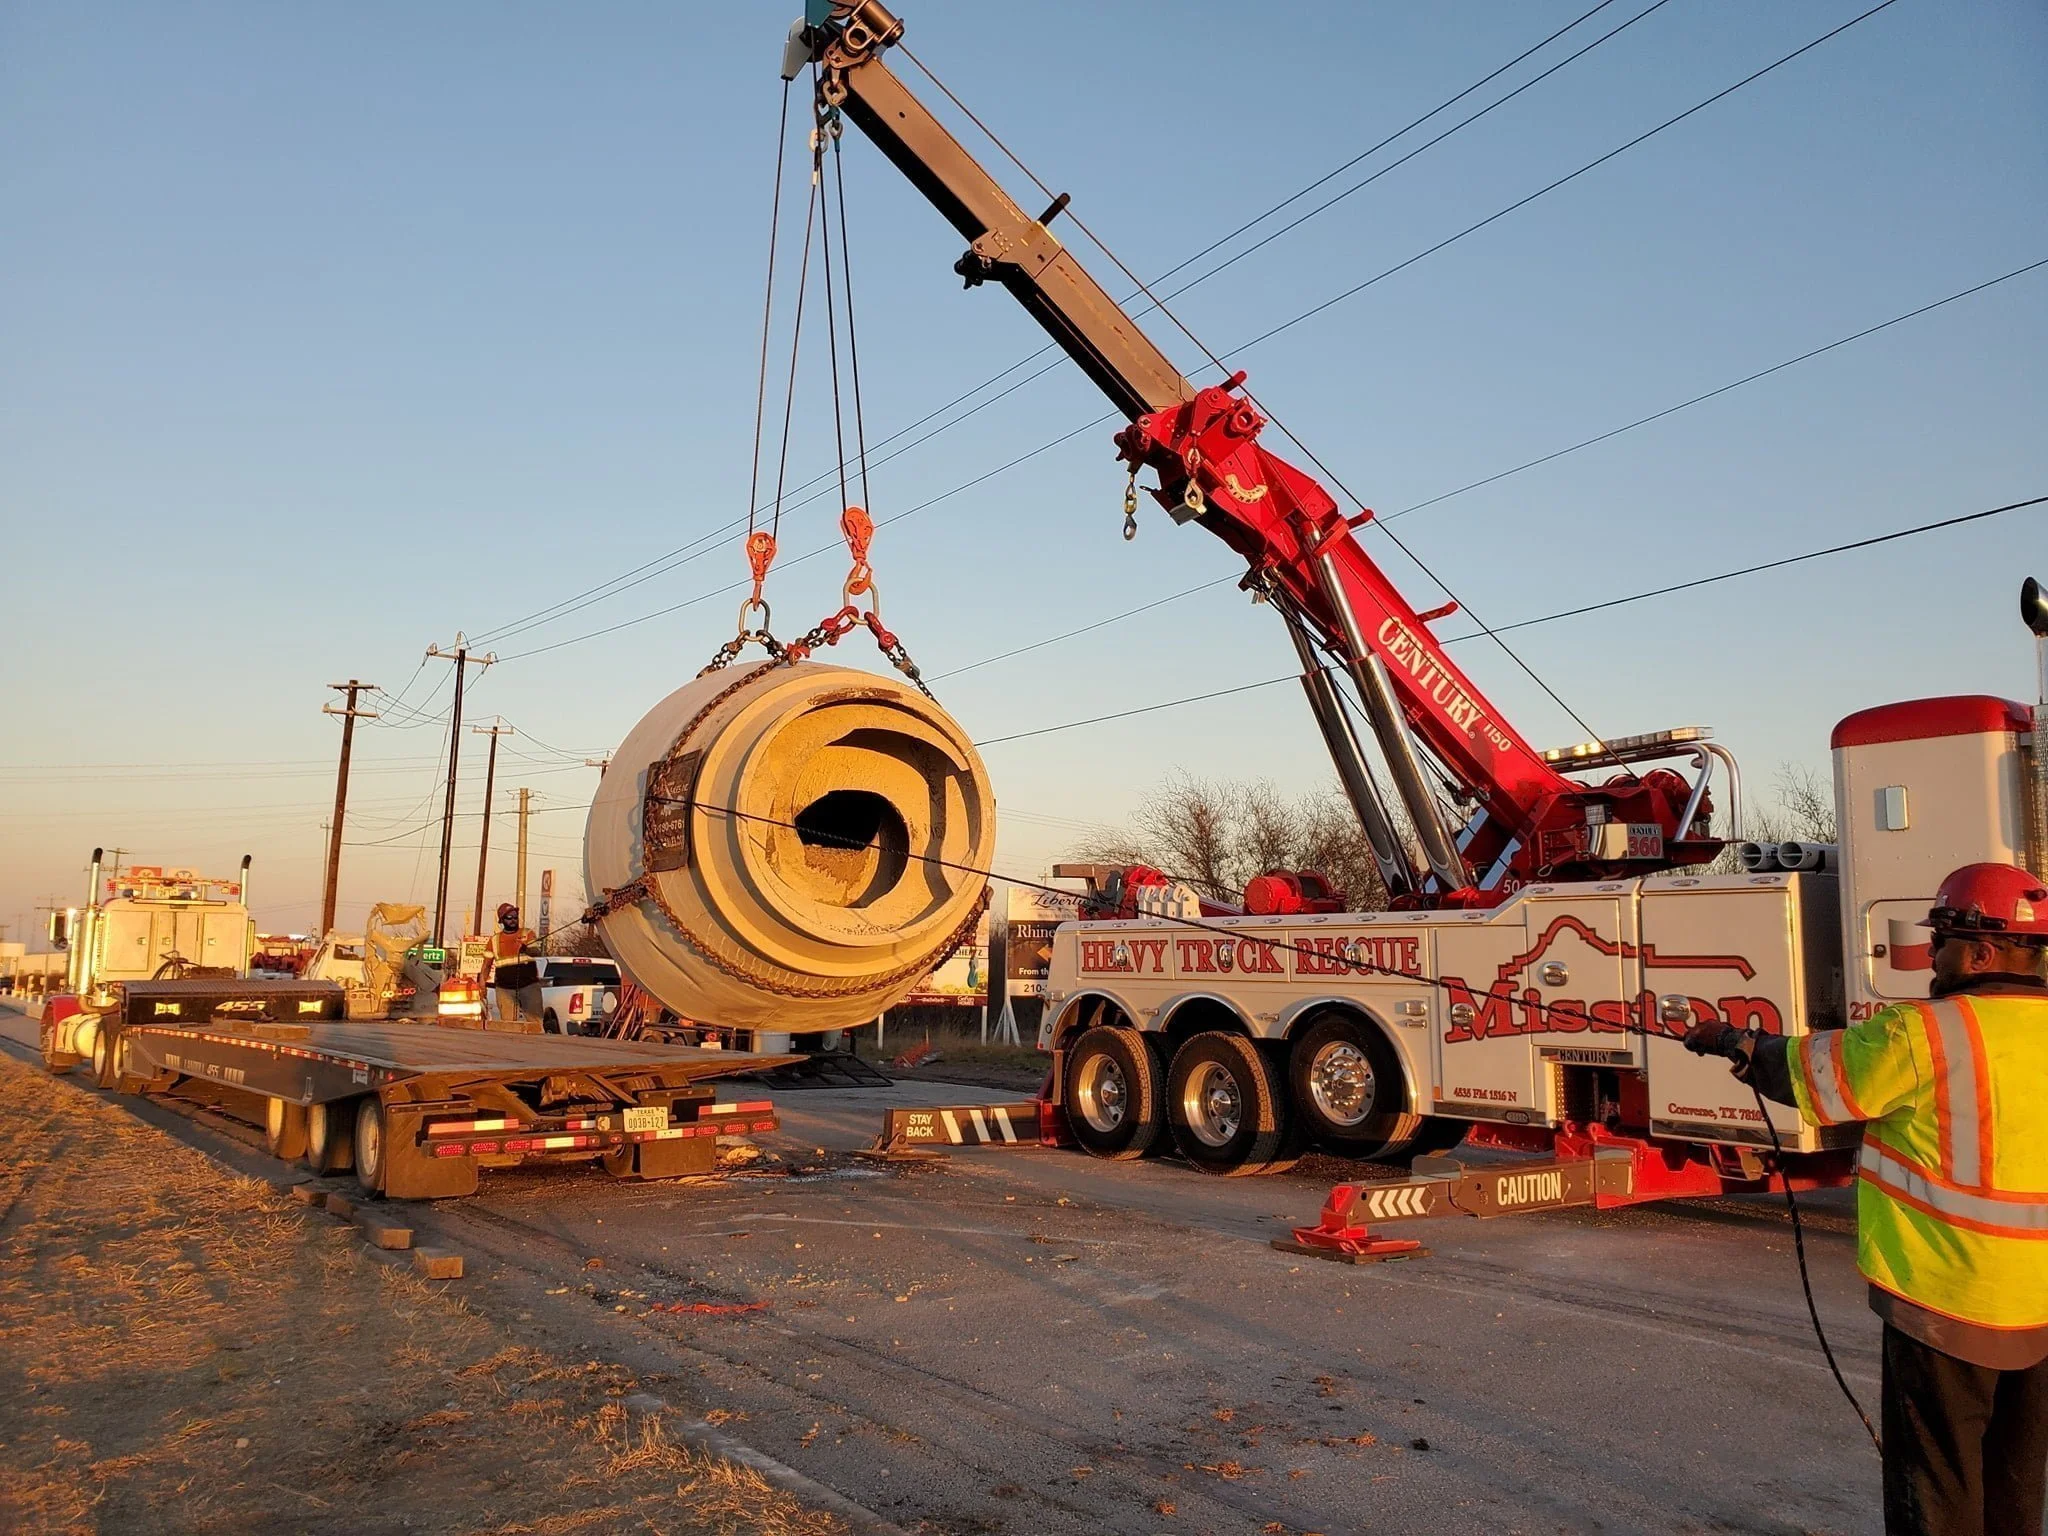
(576,993)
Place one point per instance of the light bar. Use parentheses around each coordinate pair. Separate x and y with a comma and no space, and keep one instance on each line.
(1648,744)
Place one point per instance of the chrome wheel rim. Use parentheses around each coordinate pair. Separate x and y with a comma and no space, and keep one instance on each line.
(1341,1084)
(1102,1094)
(1212,1104)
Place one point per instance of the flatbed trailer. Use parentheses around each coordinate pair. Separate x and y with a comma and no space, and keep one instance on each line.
(416,1109)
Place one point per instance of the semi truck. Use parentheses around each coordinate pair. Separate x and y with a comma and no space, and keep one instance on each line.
(1558,918)
(414,1110)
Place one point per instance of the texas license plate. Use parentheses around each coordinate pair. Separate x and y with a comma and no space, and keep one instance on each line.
(655,1119)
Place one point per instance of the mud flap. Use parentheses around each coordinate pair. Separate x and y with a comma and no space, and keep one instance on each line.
(673,1158)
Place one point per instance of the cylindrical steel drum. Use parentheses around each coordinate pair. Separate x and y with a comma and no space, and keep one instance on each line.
(789,848)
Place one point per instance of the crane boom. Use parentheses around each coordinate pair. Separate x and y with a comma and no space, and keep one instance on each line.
(1527,820)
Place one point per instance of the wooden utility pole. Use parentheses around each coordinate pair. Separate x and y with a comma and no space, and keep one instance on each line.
(349,715)
(483,848)
(459,654)
(519,878)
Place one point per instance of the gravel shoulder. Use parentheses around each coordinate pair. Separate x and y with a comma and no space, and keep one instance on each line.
(182,1349)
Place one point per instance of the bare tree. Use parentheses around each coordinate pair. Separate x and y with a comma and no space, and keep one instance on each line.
(1217,836)
(1803,809)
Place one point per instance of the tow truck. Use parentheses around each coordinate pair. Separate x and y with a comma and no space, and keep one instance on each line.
(415,1110)
(1554,925)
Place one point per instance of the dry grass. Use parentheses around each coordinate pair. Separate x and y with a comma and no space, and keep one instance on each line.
(182,1350)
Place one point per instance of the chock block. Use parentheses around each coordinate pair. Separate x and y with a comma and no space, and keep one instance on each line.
(384,1233)
(340,1205)
(437,1263)
(306,1194)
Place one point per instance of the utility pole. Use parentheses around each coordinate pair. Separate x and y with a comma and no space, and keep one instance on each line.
(483,848)
(116,853)
(460,656)
(519,879)
(331,886)
(601,764)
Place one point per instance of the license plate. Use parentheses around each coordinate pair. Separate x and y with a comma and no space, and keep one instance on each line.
(655,1119)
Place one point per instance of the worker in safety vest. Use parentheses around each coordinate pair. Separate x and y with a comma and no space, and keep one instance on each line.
(507,962)
(1951,1201)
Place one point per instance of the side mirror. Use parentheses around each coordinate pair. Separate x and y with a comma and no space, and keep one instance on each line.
(60,930)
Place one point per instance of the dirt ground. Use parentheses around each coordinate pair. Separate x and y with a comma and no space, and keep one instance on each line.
(184,1350)
(961,1058)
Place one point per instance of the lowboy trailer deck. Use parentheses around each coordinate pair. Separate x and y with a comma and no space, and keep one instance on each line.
(415,1109)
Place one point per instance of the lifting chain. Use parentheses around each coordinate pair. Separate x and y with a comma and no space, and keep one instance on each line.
(859,530)
(1131,507)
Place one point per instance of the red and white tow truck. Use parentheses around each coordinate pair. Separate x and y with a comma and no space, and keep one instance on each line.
(1553,931)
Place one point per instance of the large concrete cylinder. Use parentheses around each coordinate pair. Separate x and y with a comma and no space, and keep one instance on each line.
(792,847)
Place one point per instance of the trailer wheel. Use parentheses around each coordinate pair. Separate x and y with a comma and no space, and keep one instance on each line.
(1227,1105)
(371,1146)
(1113,1096)
(109,1057)
(284,1128)
(1343,1077)
(330,1136)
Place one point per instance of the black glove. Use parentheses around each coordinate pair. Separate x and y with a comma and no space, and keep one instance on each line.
(1714,1038)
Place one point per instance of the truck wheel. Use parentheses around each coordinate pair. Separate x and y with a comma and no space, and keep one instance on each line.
(1227,1105)
(549,1023)
(1345,1082)
(330,1136)
(370,1146)
(1113,1100)
(284,1128)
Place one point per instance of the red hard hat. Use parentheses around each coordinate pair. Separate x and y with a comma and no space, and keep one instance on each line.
(505,910)
(1991,901)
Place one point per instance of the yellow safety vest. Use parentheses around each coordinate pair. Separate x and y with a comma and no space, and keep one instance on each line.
(1952,1186)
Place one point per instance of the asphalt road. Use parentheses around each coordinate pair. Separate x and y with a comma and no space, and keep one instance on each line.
(1028,1341)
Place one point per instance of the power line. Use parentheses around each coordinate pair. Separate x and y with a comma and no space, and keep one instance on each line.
(1548,188)
(646,571)
(1287,325)
(1641,421)
(1551,618)
(1761,373)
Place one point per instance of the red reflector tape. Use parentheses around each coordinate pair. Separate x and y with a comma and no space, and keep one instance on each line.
(759,1107)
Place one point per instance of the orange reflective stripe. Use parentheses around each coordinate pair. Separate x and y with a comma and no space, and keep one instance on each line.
(1823,1078)
(1937,1048)
(1992,1212)
(1980,1071)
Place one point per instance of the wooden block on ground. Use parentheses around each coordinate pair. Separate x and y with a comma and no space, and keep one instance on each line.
(306,1194)
(437,1263)
(382,1231)
(340,1205)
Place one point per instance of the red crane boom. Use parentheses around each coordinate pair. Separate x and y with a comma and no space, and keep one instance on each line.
(1526,820)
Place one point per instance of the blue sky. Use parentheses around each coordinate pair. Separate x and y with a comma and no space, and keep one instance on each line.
(325,332)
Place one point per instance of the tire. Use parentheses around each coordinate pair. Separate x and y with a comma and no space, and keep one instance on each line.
(549,1023)
(372,1146)
(331,1136)
(102,1058)
(1227,1106)
(284,1129)
(1113,1096)
(1343,1082)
